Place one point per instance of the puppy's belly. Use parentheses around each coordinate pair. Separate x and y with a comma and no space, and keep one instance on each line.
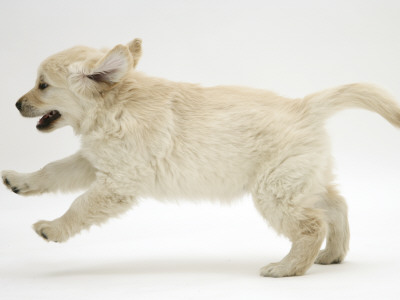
(223,189)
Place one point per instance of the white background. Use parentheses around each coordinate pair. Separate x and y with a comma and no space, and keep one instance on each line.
(205,251)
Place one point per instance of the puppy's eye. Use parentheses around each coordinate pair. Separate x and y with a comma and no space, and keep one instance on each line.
(43,85)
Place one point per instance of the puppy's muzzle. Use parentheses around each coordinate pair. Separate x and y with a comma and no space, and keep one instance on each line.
(26,109)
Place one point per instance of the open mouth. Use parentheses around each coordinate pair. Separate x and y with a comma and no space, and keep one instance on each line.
(48,119)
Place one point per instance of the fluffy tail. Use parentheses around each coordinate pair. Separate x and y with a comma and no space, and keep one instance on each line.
(359,95)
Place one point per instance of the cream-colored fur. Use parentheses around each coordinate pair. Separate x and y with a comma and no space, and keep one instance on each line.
(150,137)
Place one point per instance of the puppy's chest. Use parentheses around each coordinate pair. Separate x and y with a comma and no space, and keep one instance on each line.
(111,155)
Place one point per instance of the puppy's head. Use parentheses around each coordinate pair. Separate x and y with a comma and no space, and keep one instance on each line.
(72,82)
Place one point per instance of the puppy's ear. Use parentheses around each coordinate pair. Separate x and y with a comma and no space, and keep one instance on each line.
(113,66)
(135,47)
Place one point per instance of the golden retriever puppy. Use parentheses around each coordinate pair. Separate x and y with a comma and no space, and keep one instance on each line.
(149,137)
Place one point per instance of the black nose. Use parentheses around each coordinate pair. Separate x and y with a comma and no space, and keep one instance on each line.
(19,104)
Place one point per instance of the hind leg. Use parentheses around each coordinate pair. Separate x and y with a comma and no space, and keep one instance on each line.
(305,227)
(337,241)
(288,204)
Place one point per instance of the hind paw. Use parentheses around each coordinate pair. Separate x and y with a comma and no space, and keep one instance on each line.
(326,257)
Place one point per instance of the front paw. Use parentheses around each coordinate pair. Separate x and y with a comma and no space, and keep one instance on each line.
(53,231)
(18,183)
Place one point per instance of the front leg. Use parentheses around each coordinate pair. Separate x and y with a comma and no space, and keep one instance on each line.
(94,207)
(71,173)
